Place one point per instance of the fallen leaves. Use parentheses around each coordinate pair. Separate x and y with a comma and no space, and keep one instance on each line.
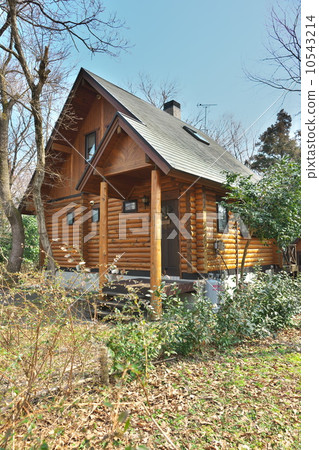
(248,398)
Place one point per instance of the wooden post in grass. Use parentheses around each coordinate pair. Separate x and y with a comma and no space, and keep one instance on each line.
(156,241)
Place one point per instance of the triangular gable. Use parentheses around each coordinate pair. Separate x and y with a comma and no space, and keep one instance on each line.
(107,159)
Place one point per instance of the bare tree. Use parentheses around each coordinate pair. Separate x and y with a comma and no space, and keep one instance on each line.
(21,150)
(156,94)
(8,98)
(230,134)
(227,132)
(40,35)
(283,48)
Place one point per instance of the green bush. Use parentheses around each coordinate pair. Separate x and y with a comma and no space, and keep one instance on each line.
(188,326)
(31,249)
(183,328)
(137,343)
(257,309)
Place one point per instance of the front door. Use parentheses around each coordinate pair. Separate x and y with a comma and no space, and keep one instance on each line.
(170,239)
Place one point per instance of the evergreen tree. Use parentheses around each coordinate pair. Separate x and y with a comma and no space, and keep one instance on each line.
(270,209)
(274,144)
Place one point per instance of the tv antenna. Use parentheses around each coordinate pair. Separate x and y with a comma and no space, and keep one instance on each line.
(206,106)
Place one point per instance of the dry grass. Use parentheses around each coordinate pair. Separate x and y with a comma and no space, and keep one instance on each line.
(248,398)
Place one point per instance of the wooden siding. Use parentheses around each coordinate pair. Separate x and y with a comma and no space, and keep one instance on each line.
(67,158)
(66,240)
(131,249)
(258,253)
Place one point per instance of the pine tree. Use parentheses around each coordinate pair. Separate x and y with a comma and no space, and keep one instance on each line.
(274,144)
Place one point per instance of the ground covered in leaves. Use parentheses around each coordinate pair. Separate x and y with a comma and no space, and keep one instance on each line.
(244,399)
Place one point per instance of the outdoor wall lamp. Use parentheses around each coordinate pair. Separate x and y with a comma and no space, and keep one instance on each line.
(145,200)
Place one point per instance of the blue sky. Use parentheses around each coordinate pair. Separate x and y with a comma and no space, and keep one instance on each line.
(203,46)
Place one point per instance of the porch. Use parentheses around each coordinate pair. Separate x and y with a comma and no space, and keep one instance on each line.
(122,169)
(155,237)
(142,285)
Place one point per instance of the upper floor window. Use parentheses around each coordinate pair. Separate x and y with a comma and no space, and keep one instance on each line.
(90,145)
(222,218)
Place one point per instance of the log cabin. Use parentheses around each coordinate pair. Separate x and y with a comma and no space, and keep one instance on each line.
(133,186)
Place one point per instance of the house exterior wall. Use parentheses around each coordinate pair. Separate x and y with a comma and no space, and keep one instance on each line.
(258,252)
(129,246)
(80,241)
(68,167)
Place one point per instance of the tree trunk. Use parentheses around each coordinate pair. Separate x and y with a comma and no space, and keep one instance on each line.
(36,92)
(17,233)
(242,266)
(38,181)
(237,254)
(11,212)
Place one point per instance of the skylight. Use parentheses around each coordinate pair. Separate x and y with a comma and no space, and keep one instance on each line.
(196,135)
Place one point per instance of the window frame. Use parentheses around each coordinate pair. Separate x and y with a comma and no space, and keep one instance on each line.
(125,202)
(87,158)
(196,135)
(97,210)
(222,223)
(70,217)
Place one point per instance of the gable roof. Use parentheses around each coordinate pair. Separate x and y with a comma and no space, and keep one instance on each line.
(166,136)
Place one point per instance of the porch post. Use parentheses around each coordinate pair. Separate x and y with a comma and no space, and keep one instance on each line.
(103,254)
(156,240)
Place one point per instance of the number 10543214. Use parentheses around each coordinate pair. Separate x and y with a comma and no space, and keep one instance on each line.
(310,44)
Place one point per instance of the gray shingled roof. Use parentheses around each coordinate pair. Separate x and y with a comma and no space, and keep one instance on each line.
(166,135)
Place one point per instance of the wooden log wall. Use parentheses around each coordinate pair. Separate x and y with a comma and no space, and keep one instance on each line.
(258,252)
(66,240)
(132,251)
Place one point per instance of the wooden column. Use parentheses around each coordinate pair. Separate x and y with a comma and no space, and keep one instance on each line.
(156,241)
(103,232)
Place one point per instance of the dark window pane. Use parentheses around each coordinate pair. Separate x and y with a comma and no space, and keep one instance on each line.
(70,218)
(222,218)
(130,206)
(90,145)
(95,214)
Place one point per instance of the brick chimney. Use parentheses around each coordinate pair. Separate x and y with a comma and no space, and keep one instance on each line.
(173,108)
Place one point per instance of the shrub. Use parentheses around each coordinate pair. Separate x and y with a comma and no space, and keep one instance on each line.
(258,309)
(42,344)
(31,249)
(183,328)
(137,343)
(188,326)
(133,341)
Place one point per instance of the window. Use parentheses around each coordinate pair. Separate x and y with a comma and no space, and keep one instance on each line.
(130,206)
(196,135)
(222,218)
(90,145)
(95,214)
(70,218)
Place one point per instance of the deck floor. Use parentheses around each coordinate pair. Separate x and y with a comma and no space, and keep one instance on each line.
(142,286)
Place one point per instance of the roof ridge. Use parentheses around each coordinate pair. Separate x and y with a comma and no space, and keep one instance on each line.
(146,102)
(122,89)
